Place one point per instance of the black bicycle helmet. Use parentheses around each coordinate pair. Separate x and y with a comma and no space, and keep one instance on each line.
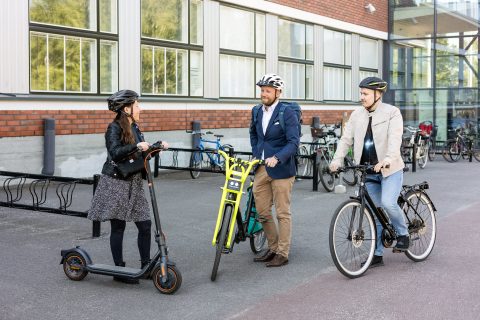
(120,99)
(374,83)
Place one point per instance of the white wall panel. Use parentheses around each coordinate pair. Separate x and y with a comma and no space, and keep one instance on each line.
(129,44)
(318,63)
(14,52)
(211,49)
(271,41)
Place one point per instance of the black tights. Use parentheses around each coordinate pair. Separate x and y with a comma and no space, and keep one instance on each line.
(143,240)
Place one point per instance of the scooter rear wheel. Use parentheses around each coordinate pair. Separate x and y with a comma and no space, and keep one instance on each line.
(74,266)
(173,283)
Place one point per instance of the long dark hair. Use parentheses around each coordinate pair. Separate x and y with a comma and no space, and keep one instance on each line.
(122,119)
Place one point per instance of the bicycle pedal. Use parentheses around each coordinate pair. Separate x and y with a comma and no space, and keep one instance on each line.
(396,250)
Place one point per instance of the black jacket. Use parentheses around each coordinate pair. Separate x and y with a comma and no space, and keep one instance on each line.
(117,150)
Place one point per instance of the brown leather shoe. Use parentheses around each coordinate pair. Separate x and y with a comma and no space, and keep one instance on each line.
(277,261)
(267,256)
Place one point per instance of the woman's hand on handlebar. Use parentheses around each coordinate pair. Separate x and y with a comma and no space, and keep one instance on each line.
(165,145)
(143,146)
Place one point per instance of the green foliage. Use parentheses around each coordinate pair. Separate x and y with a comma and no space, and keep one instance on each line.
(163,19)
(69,13)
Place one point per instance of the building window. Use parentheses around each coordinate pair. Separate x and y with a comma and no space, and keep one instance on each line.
(73,46)
(295,65)
(337,65)
(172,47)
(242,51)
(368,58)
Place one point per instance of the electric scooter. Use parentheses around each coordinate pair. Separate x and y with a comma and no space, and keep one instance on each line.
(166,276)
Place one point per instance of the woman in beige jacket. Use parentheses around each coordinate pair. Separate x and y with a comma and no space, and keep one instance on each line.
(375,131)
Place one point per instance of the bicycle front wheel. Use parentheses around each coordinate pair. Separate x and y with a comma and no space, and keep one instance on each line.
(454,150)
(352,245)
(222,238)
(422,225)
(196,161)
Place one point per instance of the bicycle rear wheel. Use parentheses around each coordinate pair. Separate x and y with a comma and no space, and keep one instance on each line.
(196,162)
(257,241)
(222,238)
(422,154)
(349,177)
(327,178)
(431,149)
(422,225)
(301,161)
(352,246)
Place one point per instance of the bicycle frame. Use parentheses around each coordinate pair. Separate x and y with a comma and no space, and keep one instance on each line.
(236,173)
(218,146)
(365,199)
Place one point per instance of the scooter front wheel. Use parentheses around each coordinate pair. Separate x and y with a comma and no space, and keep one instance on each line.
(173,283)
(74,266)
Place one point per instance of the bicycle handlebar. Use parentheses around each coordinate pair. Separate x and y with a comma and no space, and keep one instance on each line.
(360,167)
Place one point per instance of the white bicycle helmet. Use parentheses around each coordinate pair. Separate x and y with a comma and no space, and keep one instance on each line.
(271,80)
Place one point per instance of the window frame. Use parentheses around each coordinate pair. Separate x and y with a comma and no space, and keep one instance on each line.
(173,44)
(246,54)
(97,36)
(304,61)
(340,66)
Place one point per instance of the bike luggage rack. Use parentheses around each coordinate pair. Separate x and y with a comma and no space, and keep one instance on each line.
(38,189)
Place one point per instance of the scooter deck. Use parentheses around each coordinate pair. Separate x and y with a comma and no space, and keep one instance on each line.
(105,268)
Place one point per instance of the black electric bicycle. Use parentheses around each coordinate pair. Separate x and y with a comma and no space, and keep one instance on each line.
(353,233)
(166,276)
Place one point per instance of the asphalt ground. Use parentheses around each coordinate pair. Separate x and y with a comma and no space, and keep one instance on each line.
(445,286)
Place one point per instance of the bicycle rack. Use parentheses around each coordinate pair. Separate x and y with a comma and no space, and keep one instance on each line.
(19,189)
(65,194)
(37,199)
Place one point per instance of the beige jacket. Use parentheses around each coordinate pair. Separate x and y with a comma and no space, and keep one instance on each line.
(387,128)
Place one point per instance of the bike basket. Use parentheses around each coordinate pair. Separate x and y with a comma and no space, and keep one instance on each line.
(317,133)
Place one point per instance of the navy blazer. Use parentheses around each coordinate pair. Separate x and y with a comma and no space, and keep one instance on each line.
(276,141)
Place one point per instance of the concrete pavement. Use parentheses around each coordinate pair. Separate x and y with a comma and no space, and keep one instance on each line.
(33,286)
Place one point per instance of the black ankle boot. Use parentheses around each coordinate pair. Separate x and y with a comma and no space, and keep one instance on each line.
(124,280)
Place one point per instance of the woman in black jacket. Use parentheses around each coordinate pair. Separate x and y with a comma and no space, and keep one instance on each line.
(118,199)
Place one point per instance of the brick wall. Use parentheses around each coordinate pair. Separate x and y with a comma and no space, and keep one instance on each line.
(352,11)
(23,123)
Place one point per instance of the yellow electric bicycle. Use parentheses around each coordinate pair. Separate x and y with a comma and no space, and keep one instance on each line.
(230,227)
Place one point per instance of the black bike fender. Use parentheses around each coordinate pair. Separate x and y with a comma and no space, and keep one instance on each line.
(78,250)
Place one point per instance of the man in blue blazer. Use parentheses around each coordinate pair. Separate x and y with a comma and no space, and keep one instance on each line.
(276,141)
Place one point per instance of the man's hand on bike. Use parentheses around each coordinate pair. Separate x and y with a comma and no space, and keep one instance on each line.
(271,162)
(380,165)
(333,166)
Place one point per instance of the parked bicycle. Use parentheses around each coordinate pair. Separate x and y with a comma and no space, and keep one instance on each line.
(463,146)
(353,234)
(429,131)
(230,227)
(323,145)
(207,160)
(420,139)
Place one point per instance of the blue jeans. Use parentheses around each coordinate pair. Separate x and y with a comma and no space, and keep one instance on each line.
(384,193)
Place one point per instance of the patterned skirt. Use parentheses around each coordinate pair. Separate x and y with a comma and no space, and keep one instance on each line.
(119,199)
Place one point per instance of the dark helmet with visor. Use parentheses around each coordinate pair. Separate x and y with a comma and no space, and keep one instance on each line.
(374,83)
(120,99)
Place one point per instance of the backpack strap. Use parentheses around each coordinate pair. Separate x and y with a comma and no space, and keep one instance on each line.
(281,115)
(256,109)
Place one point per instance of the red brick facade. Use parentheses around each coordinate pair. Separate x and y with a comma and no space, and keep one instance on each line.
(30,123)
(352,11)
